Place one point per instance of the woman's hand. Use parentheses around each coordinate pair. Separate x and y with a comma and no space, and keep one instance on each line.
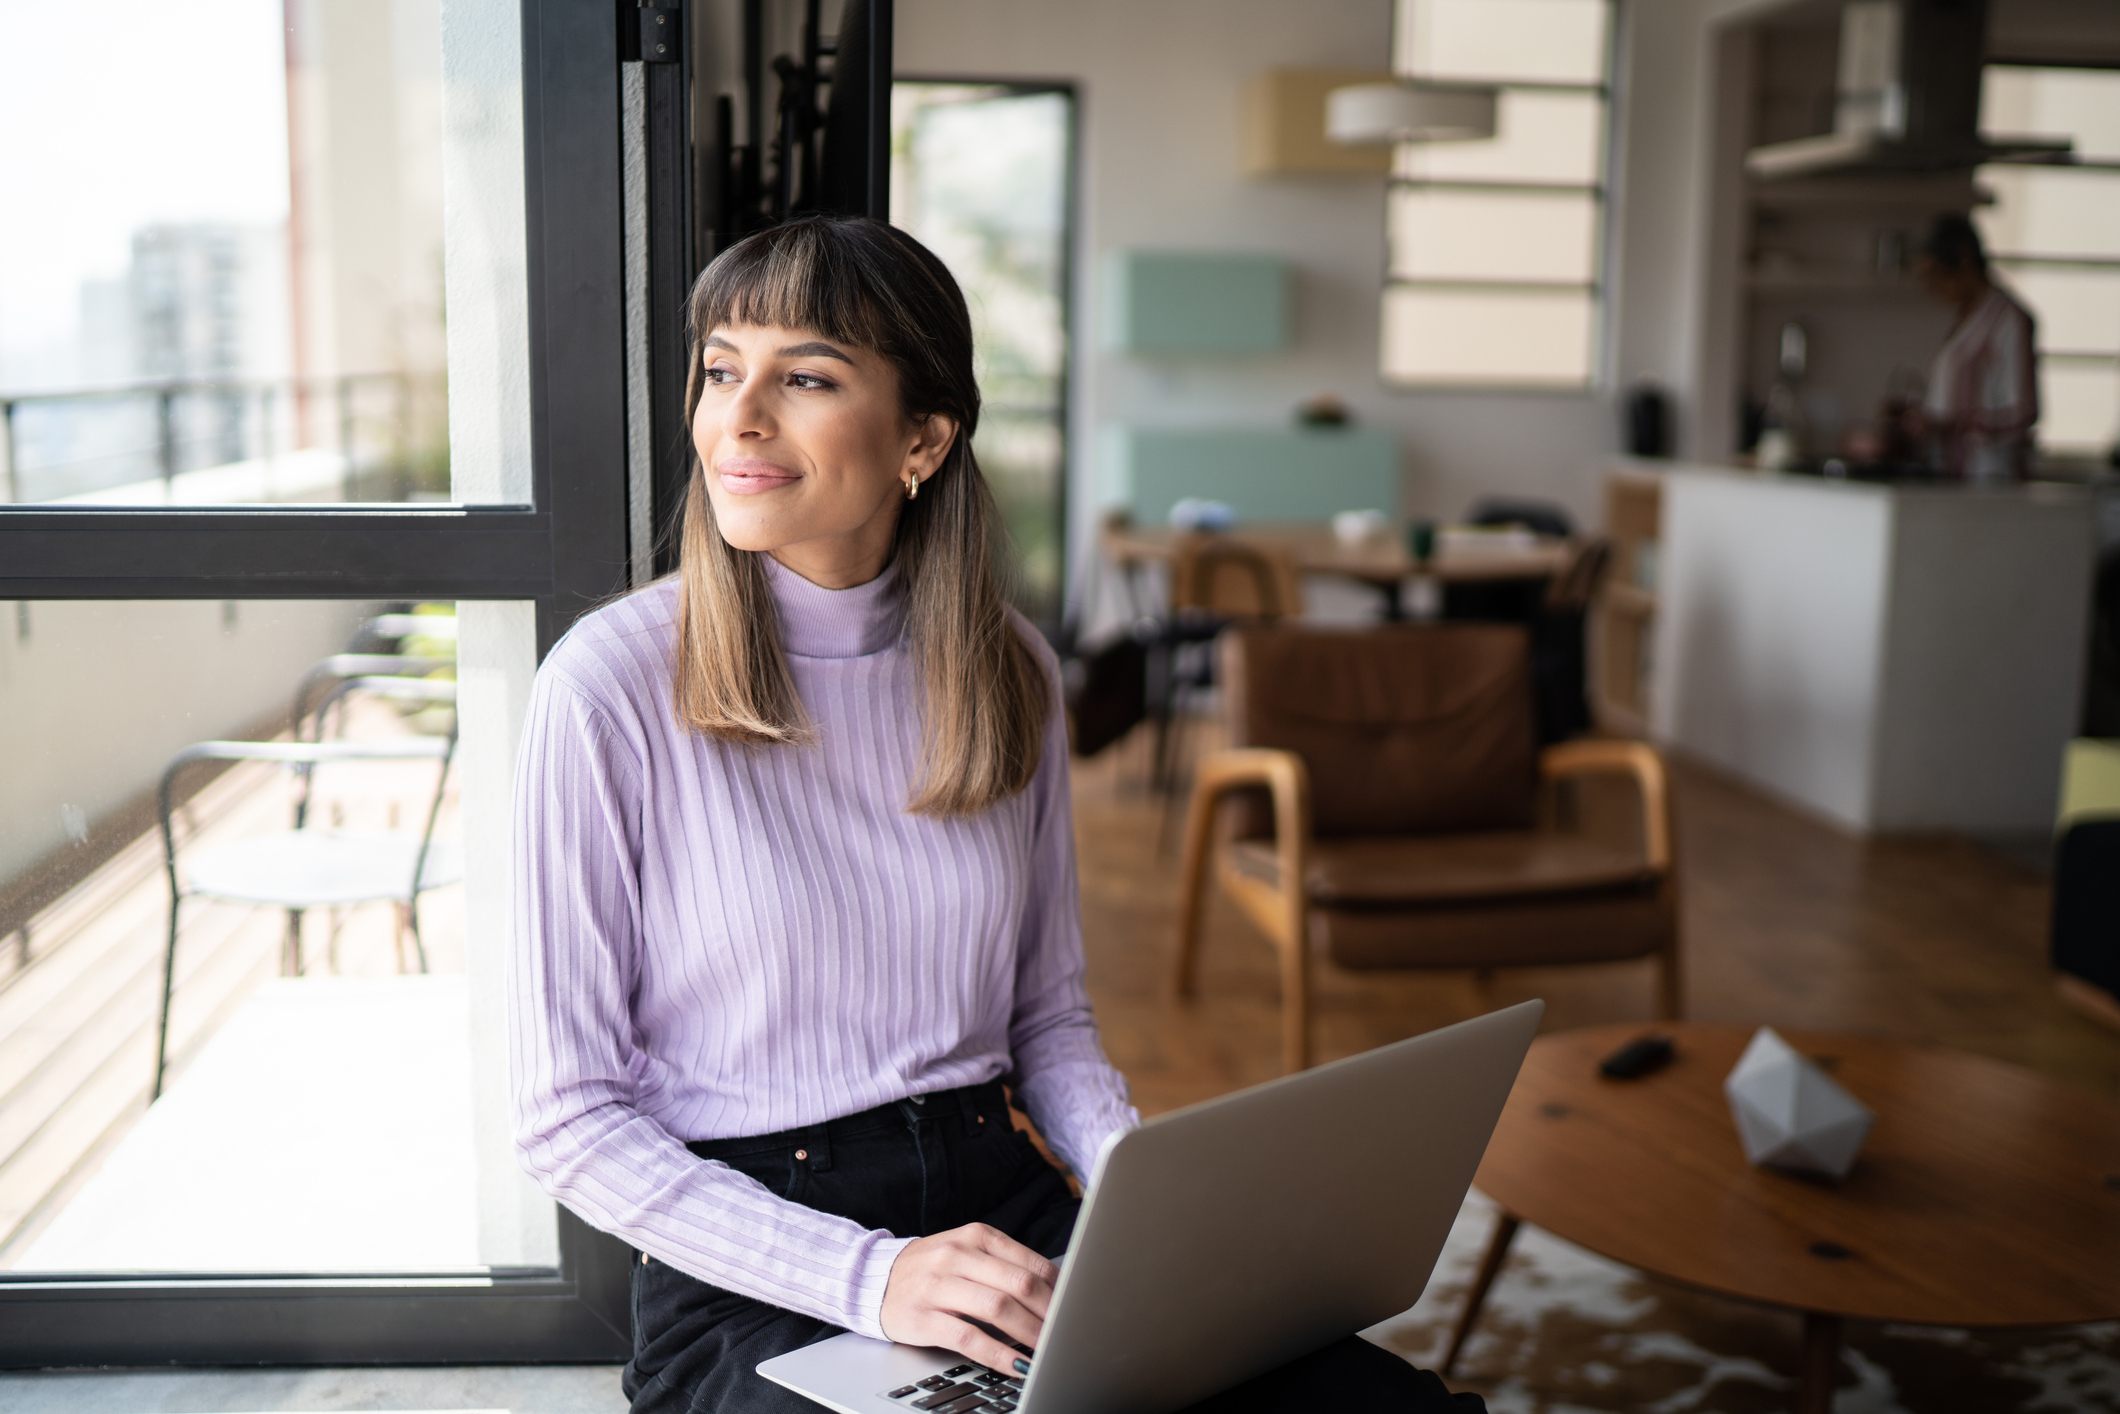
(940,1285)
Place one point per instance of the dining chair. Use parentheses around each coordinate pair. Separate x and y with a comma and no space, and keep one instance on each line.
(1216,581)
(1560,657)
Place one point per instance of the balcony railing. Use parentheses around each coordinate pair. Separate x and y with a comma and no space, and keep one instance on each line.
(352,436)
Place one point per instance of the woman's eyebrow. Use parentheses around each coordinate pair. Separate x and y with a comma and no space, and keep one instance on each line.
(813,349)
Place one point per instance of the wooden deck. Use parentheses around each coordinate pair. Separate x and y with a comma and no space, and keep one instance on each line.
(78,1013)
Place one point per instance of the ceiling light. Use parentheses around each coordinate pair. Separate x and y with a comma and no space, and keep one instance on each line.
(1367,113)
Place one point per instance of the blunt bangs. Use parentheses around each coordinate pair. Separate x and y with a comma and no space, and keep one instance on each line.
(789,278)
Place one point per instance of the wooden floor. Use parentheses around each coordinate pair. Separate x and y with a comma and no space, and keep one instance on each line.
(1788,922)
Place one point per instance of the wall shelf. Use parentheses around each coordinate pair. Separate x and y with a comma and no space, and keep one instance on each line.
(1920,196)
(1821,280)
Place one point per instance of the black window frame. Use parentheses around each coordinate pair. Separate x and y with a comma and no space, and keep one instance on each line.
(565,552)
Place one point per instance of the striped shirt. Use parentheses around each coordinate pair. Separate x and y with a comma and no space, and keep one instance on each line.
(712,941)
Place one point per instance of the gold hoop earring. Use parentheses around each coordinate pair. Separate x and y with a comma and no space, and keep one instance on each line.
(912,486)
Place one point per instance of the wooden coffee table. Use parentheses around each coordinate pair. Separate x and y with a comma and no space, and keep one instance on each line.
(1986,1195)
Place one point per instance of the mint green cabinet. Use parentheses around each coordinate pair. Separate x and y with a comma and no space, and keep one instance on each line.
(1264,473)
(1193,302)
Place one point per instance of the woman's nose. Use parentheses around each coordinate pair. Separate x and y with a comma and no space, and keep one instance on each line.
(749,410)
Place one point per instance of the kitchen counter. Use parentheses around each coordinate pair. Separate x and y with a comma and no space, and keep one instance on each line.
(1893,656)
(2058,492)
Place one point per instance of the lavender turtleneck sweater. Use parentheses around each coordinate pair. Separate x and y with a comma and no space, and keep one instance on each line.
(712,941)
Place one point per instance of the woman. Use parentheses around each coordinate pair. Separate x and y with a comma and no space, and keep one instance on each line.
(795,867)
(1983,397)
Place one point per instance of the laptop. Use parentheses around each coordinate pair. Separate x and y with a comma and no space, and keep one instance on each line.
(1219,1241)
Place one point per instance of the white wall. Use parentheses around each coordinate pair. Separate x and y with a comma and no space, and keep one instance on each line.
(1160,88)
(96,697)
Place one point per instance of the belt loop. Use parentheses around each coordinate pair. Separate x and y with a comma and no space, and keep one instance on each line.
(819,1143)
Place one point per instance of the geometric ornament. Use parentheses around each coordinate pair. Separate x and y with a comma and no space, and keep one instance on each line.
(1790,1114)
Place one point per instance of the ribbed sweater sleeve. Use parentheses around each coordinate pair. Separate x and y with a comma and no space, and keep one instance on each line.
(573,965)
(1061,1075)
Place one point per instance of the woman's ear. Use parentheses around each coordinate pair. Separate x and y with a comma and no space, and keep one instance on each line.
(932,436)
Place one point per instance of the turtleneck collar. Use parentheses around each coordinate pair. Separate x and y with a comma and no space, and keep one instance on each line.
(816,622)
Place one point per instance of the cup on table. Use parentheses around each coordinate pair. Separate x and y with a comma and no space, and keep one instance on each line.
(1359,527)
(1420,541)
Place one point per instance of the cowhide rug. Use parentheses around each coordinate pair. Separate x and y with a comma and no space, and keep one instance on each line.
(1566,1331)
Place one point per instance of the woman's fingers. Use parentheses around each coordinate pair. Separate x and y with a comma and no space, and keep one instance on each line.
(943,1287)
(973,1343)
(995,1242)
(979,1302)
(1029,1289)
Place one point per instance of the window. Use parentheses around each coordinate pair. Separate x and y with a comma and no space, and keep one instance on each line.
(1495,249)
(983,174)
(242,303)
(240,460)
(2052,235)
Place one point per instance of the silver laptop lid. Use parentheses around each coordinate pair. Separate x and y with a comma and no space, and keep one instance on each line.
(1219,1241)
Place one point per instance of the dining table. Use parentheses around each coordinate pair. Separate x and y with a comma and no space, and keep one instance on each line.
(1382,560)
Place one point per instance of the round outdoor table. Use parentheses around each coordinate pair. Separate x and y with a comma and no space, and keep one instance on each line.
(1985,1195)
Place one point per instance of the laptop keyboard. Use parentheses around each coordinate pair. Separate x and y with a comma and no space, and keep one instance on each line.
(960,1389)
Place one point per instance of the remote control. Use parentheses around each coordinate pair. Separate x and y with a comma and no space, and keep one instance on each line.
(1638,1057)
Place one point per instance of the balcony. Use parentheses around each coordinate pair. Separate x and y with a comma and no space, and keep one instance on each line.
(266,1070)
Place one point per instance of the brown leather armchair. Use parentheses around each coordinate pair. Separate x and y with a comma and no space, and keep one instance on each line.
(1390,808)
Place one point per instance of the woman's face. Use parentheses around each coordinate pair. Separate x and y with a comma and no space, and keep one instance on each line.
(806,449)
(1949,284)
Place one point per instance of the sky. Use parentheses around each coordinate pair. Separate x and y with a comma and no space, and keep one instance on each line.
(118,115)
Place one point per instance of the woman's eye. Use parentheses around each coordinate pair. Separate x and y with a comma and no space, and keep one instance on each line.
(720,376)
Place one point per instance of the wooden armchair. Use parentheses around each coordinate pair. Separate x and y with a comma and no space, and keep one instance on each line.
(1389,808)
(1216,582)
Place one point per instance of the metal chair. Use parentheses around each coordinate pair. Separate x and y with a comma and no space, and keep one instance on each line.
(308,867)
(340,667)
(440,627)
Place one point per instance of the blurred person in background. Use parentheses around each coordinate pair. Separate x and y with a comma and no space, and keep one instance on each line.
(1983,390)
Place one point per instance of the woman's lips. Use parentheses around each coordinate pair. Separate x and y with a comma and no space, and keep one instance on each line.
(750,478)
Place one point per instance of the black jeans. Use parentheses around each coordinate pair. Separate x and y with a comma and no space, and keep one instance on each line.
(913,1168)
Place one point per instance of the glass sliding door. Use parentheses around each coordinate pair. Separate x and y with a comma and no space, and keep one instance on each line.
(312,441)
(983,174)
